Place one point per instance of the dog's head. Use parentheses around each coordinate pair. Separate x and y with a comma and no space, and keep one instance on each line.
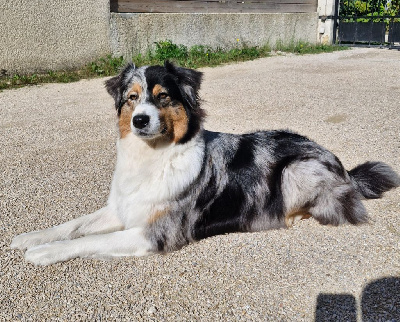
(157,102)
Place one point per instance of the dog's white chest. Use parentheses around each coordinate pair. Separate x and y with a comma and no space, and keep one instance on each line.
(146,178)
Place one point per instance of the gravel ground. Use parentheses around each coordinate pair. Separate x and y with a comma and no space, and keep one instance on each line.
(58,154)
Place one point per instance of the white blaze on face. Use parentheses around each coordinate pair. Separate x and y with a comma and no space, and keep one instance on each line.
(153,128)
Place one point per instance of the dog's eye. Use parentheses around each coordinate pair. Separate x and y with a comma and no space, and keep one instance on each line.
(133,97)
(162,96)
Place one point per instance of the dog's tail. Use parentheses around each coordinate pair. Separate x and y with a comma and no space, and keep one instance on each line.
(372,179)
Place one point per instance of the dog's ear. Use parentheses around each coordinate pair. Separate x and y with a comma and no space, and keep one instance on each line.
(185,76)
(189,79)
(115,86)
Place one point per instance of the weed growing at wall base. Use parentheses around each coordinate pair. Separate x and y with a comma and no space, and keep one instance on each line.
(105,66)
(199,55)
(303,48)
(193,57)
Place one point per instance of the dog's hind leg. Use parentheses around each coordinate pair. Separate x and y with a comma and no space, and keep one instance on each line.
(338,206)
(292,217)
(99,222)
(311,187)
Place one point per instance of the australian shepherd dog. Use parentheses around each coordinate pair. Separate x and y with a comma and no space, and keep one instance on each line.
(175,183)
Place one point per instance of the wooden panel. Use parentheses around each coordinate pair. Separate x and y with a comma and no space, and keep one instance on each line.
(214,6)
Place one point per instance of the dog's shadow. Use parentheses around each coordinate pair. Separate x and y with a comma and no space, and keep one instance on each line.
(380,301)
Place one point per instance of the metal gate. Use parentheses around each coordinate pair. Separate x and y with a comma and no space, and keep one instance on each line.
(367,22)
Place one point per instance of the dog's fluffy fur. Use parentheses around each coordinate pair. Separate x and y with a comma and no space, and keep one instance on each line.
(175,182)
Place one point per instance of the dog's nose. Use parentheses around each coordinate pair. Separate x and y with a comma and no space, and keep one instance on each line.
(140,121)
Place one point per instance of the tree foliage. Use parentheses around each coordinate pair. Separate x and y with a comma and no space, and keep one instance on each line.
(370,8)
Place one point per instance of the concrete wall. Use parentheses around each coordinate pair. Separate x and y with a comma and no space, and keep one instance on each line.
(136,32)
(38,35)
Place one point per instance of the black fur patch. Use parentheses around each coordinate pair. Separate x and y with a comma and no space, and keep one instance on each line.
(207,195)
(211,136)
(288,139)
(274,203)
(158,75)
(182,85)
(336,168)
(223,215)
(161,243)
(244,155)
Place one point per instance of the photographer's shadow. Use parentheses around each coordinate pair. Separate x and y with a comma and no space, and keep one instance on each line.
(380,301)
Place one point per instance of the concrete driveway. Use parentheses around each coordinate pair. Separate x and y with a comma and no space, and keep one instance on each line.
(57,159)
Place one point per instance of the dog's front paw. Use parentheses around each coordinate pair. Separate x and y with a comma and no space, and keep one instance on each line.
(47,254)
(27,240)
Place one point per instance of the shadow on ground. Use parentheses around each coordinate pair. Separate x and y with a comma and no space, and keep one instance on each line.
(380,301)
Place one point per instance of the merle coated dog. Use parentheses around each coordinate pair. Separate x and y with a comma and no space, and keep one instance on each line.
(176,183)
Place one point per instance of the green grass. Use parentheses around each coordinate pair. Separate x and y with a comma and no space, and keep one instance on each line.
(303,48)
(193,57)
(199,56)
(102,67)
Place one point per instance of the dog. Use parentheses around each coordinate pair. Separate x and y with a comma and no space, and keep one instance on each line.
(176,183)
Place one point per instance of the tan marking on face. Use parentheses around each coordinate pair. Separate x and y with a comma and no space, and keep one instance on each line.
(294,216)
(136,89)
(176,121)
(157,89)
(157,215)
(164,100)
(125,118)
(125,121)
